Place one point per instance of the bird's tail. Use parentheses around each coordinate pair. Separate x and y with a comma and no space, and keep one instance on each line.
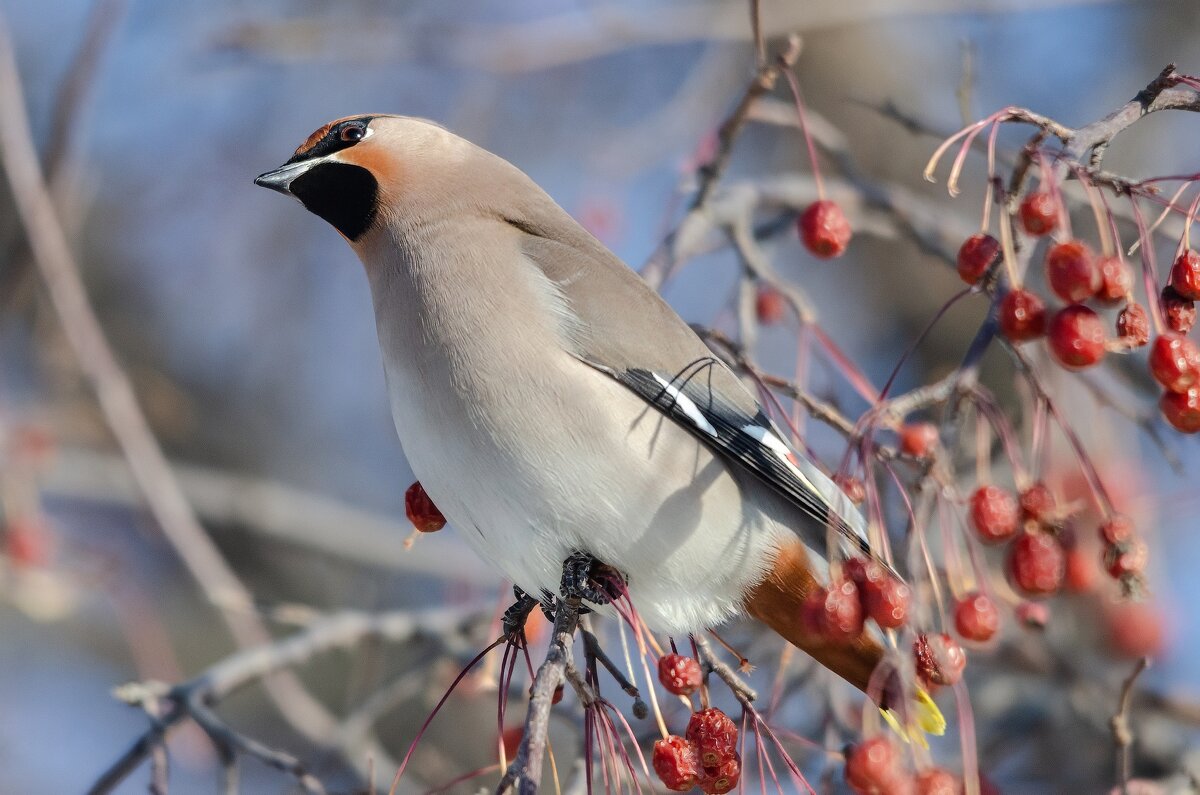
(778,602)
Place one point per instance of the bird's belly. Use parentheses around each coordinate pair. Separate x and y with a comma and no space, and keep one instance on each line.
(619,481)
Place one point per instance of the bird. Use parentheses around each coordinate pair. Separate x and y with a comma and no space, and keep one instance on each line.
(553,405)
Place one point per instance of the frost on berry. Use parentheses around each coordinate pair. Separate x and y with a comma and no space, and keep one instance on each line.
(1180,312)
(939,659)
(1076,337)
(421,511)
(1116,280)
(714,734)
(1036,564)
(1175,362)
(918,438)
(1126,558)
(936,781)
(1038,503)
(976,617)
(874,767)
(721,777)
(1185,275)
(1133,326)
(1022,316)
(1039,213)
(1072,272)
(676,763)
(1182,409)
(995,513)
(769,305)
(836,612)
(824,229)
(679,674)
(976,255)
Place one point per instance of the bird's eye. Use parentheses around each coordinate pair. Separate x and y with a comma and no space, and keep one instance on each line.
(352,133)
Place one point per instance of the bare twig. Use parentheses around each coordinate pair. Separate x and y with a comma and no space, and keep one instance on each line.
(1122,734)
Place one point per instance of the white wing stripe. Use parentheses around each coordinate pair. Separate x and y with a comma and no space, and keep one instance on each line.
(686,405)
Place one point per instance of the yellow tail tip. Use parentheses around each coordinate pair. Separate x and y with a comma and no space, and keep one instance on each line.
(928,719)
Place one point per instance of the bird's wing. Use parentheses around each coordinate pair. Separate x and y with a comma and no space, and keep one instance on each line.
(621,327)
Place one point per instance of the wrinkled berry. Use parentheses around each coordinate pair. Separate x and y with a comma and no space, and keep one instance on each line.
(676,763)
(721,777)
(679,674)
(714,734)
(939,659)
(1036,564)
(824,229)
(1133,326)
(994,513)
(1038,503)
(1180,312)
(1116,280)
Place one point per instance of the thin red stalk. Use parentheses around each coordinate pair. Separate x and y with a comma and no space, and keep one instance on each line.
(801,118)
(921,338)
(966,723)
(1149,277)
(464,777)
(849,370)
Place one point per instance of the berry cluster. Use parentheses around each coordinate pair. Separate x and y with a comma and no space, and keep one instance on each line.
(876,767)
(705,757)
(865,590)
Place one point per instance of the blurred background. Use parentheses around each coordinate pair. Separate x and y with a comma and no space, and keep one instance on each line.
(245,324)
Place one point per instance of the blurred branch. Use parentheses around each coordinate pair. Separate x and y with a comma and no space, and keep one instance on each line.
(1122,734)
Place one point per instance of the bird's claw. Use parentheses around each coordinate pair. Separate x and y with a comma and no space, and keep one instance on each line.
(589,580)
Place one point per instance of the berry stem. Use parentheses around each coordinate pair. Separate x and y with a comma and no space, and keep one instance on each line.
(1149,277)
(1007,251)
(802,120)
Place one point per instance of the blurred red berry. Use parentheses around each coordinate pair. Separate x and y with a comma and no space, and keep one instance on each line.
(1076,336)
(1116,280)
(1081,571)
(1133,326)
(976,617)
(1182,409)
(511,740)
(1036,564)
(721,777)
(28,542)
(994,513)
(976,255)
(1180,312)
(421,511)
(1117,529)
(1038,503)
(676,763)
(1135,629)
(714,734)
(1022,316)
(918,438)
(1175,361)
(873,767)
(1185,275)
(1039,213)
(835,613)
(939,659)
(886,600)
(679,674)
(852,487)
(936,781)
(824,229)
(1072,272)
(769,305)
(1127,557)
(1035,615)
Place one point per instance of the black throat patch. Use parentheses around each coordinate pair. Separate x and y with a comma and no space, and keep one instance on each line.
(345,195)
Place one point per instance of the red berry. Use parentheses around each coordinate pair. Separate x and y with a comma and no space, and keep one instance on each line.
(1034,615)
(976,255)
(1039,213)
(1135,629)
(510,738)
(1117,529)
(1185,275)
(1175,362)
(1182,409)
(1037,503)
(936,781)
(1133,326)
(722,777)
(852,487)
(918,438)
(1036,564)
(835,613)
(28,542)
(676,763)
(1180,311)
(824,229)
(1076,336)
(873,767)
(1022,316)
(679,674)
(1116,280)
(1126,558)
(939,658)
(1081,571)
(1071,271)
(994,513)
(769,305)
(421,511)
(976,617)
(886,600)
(714,734)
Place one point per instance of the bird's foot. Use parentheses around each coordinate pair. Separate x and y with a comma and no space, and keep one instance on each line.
(589,580)
(514,617)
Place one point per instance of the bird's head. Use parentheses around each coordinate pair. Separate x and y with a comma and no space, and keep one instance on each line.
(354,170)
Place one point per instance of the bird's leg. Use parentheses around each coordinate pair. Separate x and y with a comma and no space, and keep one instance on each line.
(588,579)
(514,617)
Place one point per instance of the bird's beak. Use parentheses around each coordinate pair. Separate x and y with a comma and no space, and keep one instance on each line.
(281,178)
